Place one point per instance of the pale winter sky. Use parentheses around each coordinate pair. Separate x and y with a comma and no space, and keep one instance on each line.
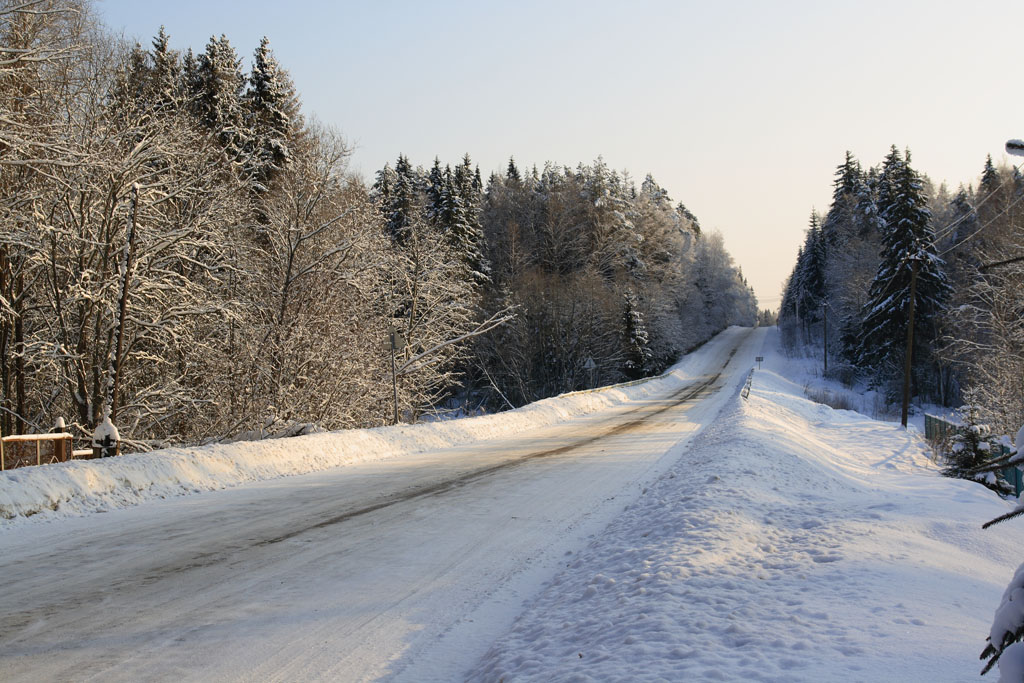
(741,110)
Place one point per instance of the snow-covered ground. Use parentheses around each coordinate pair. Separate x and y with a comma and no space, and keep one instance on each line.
(408,564)
(791,542)
(666,531)
(74,488)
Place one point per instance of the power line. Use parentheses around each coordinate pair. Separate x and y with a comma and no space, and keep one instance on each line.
(988,223)
(1005,262)
(945,230)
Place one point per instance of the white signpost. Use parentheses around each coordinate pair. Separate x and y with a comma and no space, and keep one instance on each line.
(396,342)
(590,366)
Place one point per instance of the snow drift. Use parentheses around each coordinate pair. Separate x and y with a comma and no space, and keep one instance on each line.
(78,487)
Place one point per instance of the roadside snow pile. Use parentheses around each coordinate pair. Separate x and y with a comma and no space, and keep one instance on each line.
(789,542)
(78,487)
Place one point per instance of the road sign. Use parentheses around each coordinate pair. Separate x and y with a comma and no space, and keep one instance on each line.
(759,359)
(1015,147)
(396,340)
(590,364)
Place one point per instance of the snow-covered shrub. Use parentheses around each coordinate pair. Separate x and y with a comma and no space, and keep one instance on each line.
(971,452)
(1007,632)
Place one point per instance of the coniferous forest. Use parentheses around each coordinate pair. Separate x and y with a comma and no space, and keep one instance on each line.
(850,290)
(185,247)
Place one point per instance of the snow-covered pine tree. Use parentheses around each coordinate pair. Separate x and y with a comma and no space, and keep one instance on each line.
(839,221)
(657,194)
(637,352)
(849,257)
(694,224)
(907,238)
(468,233)
(380,191)
(512,172)
(990,180)
(132,84)
(435,195)
(189,84)
(217,97)
(963,216)
(166,74)
(809,277)
(869,224)
(402,203)
(478,182)
(971,449)
(272,110)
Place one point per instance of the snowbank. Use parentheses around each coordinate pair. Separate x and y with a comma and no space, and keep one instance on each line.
(790,542)
(79,487)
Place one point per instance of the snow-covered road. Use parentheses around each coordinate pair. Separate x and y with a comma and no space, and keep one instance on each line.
(406,568)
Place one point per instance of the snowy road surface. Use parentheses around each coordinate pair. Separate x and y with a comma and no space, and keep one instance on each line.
(407,568)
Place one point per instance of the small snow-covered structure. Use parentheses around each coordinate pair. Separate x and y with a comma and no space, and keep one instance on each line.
(105,439)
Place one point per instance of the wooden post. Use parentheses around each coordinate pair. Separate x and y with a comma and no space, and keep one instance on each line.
(910,344)
(39,452)
(2,467)
(824,315)
(394,378)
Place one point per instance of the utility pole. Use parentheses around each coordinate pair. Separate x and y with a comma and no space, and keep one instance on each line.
(910,341)
(824,315)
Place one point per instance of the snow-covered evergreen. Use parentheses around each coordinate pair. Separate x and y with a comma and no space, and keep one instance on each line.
(907,246)
(271,104)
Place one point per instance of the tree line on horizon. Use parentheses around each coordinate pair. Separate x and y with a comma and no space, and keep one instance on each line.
(184,249)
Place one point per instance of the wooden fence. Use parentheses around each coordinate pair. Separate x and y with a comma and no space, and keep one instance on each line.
(19,450)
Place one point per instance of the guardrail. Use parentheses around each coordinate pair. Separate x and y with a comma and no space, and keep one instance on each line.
(19,450)
(745,392)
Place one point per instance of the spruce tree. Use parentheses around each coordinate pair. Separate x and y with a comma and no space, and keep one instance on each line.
(403,202)
(217,98)
(272,108)
(435,194)
(638,353)
(971,449)
(869,224)
(907,238)
(963,216)
(688,216)
(469,232)
(132,83)
(166,74)
(840,220)
(810,278)
(990,181)
(512,172)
